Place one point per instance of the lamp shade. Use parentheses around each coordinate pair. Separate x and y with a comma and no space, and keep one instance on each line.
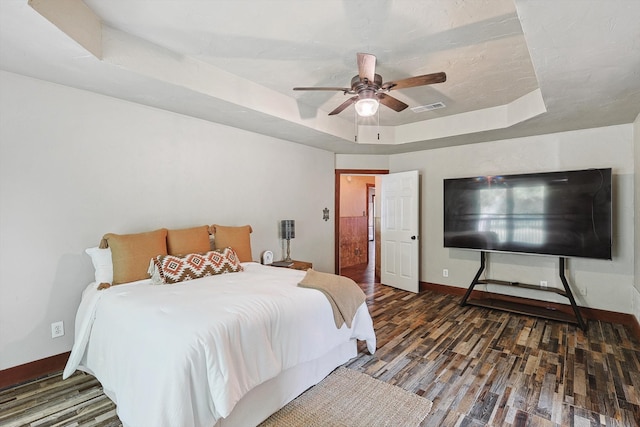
(367,107)
(288,229)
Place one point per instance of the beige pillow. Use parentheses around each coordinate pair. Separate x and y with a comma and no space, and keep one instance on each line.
(188,240)
(131,253)
(238,238)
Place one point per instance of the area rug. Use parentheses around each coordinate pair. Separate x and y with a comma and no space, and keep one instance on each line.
(351,399)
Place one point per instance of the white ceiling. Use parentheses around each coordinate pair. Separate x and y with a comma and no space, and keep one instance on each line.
(514,68)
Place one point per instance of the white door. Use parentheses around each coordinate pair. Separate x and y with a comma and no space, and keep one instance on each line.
(399,230)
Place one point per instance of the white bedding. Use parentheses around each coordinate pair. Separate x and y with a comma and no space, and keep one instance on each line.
(185,354)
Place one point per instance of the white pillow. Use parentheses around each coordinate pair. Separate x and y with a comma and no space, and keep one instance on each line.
(102,263)
(154,272)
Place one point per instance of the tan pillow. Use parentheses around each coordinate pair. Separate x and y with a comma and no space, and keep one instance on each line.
(188,240)
(238,238)
(131,253)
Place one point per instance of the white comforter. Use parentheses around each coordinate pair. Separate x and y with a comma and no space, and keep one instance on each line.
(184,354)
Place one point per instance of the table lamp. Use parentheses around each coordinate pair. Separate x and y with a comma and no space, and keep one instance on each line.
(288,232)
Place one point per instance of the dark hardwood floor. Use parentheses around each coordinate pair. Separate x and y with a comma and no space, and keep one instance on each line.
(486,367)
(478,366)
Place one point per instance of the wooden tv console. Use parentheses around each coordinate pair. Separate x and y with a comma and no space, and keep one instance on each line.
(520,308)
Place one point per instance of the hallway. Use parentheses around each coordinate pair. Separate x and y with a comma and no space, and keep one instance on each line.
(364,274)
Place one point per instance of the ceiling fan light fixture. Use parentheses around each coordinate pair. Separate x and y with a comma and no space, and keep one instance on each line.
(370,91)
(367,107)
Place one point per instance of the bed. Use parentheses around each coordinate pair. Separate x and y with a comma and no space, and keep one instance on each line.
(222,350)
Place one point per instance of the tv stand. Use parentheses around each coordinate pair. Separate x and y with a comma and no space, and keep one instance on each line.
(520,308)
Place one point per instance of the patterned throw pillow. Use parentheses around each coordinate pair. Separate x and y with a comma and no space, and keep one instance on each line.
(166,269)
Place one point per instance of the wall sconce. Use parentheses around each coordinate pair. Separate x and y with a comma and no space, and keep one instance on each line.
(325,214)
(288,232)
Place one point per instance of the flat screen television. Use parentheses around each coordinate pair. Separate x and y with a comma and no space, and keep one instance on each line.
(565,213)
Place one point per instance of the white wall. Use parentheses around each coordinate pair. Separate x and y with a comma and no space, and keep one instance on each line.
(636,156)
(75,165)
(362,161)
(608,284)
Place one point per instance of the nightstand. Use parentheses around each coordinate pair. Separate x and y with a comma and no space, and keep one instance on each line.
(301,265)
(298,265)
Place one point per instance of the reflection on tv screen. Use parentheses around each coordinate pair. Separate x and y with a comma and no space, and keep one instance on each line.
(564,213)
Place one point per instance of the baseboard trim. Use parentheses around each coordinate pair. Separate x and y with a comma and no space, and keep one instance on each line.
(587,312)
(32,370)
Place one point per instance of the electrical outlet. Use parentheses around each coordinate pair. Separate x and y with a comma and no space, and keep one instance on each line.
(445,273)
(57,329)
(543,283)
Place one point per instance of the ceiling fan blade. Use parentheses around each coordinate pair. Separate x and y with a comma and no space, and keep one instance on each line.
(427,79)
(391,102)
(367,66)
(343,89)
(344,105)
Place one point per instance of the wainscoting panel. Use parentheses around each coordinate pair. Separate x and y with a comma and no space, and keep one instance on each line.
(353,240)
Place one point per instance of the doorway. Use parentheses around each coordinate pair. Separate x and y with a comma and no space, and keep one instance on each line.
(355,220)
(371,212)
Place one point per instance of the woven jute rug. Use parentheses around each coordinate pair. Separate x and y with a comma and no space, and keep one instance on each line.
(351,399)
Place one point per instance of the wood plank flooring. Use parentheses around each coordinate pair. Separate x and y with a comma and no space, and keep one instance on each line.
(487,367)
(49,401)
(478,366)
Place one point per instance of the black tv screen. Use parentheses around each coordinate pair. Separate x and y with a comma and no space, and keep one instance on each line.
(564,213)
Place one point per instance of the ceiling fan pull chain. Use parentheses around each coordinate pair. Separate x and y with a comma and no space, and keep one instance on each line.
(355,121)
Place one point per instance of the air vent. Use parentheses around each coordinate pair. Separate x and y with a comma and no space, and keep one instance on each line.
(434,106)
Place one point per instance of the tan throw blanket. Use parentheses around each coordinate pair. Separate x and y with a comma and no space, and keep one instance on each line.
(344,295)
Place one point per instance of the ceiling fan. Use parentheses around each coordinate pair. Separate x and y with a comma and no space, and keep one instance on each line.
(369,90)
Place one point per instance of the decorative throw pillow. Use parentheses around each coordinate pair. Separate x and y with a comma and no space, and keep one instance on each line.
(166,269)
(101,259)
(131,253)
(188,240)
(238,238)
